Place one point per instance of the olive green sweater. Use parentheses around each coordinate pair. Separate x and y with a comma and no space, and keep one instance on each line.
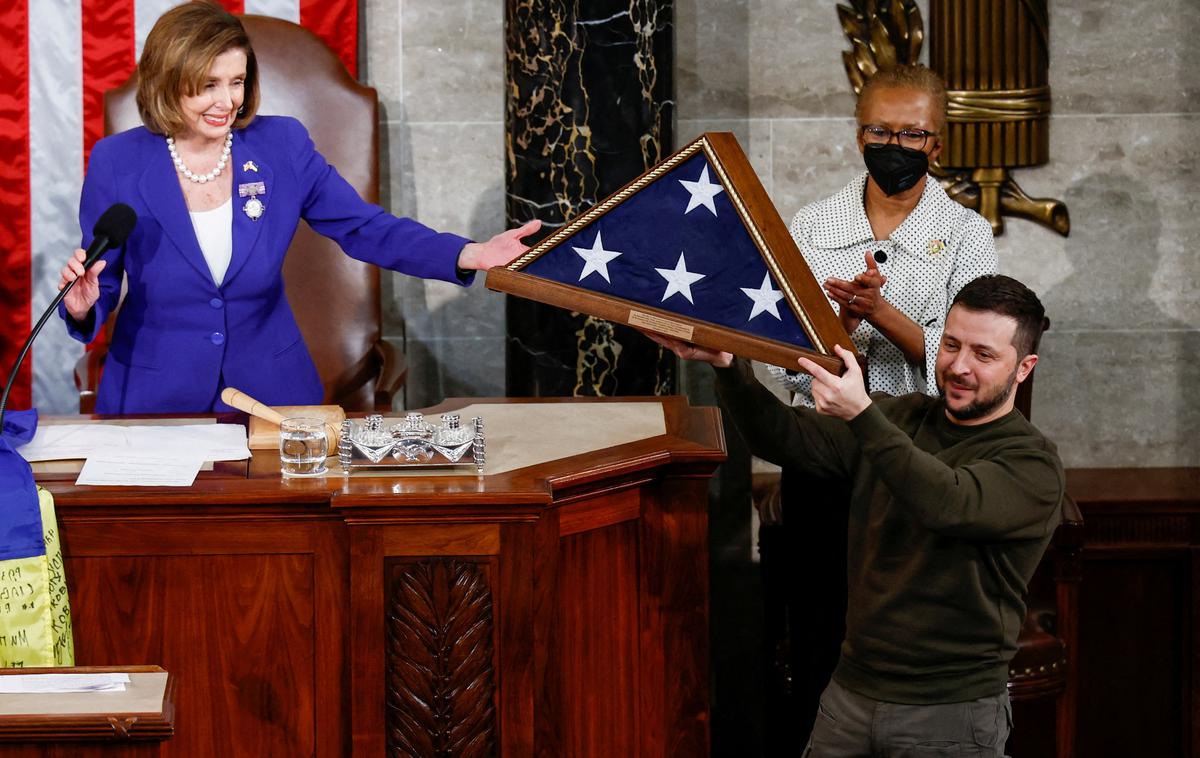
(947,524)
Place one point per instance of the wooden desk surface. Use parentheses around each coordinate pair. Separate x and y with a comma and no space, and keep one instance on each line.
(693,435)
(144,711)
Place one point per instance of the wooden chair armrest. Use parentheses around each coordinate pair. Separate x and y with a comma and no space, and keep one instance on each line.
(393,372)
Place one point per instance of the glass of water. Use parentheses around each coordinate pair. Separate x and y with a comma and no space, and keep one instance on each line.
(303,447)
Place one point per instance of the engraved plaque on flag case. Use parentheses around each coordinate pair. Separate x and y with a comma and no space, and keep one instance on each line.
(693,249)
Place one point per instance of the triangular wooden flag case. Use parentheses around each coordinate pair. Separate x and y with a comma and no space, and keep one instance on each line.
(693,249)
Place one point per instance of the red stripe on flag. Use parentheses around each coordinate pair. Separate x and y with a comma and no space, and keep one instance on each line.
(109,57)
(335,22)
(234,6)
(15,288)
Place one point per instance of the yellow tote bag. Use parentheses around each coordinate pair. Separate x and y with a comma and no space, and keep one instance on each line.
(35,614)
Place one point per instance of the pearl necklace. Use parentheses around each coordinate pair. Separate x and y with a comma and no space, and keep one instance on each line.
(201,178)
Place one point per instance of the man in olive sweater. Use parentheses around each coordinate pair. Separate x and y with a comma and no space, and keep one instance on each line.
(954,501)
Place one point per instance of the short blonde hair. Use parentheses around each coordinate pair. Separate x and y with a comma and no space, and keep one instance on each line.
(912,76)
(175,62)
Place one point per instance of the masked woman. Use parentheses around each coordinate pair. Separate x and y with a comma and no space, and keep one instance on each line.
(892,249)
(219,193)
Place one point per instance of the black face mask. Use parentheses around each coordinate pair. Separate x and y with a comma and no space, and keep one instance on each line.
(895,168)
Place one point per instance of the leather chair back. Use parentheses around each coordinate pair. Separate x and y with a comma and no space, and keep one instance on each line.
(335,298)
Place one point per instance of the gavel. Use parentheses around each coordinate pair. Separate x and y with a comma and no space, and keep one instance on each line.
(235,398)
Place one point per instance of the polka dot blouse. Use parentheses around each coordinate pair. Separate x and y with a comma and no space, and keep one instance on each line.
(928,258)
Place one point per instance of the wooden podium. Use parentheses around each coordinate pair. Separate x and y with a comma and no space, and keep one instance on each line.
(558,608)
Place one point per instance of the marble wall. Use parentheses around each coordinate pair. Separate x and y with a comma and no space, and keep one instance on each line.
(438,67)
(1119,365)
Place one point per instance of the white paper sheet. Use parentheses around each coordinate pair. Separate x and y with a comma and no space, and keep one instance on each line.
(109,470)
(205,442)
(22,684)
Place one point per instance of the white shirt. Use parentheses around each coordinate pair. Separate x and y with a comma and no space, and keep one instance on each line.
(214,232)
(938,248)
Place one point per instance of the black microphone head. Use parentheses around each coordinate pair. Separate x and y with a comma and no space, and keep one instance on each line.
(115,224)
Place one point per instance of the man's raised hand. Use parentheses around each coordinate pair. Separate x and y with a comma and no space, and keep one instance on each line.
(842,396)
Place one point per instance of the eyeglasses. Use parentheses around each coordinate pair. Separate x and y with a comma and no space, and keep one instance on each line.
(914,139)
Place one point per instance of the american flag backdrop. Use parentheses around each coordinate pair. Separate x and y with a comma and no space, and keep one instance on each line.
(60,57)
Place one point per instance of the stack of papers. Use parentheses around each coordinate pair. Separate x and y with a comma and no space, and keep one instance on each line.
(24,684)
(169,456)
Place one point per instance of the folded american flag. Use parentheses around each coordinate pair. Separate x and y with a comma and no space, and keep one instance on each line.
(693,249)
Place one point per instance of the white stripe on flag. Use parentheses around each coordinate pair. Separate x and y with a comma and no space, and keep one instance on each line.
(285,9)
(145,13)
(55,179)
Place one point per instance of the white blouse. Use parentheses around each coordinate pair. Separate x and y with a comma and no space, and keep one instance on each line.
(938,248)
(214,232)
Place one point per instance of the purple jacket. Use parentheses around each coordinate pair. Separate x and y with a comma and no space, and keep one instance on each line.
(179,338)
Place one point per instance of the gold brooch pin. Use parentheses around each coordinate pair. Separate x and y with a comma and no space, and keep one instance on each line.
(936,247)
(250,166)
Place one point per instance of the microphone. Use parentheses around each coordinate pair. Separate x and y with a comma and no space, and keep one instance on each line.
(111,230)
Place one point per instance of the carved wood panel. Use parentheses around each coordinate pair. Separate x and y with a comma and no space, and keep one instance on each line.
(440,676)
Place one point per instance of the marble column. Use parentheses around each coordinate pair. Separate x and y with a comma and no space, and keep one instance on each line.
(588,107)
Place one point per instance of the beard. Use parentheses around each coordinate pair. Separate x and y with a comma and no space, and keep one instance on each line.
(986,399)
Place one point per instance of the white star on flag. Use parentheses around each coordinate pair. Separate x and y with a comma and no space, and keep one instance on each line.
(765,299)
(679,280)
(702,191)
(596,259)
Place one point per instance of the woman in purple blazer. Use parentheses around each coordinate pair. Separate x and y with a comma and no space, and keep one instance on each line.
(218,194)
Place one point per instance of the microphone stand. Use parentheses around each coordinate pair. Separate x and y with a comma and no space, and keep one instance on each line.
(110,231)
(12,378)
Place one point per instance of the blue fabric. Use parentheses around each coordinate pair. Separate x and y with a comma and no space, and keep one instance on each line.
(650,229)
(20,517)
(179,337)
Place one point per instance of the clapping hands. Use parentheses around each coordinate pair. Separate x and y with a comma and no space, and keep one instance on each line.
(859,298)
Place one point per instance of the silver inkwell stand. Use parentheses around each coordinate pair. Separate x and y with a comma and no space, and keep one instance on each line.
(412,443)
